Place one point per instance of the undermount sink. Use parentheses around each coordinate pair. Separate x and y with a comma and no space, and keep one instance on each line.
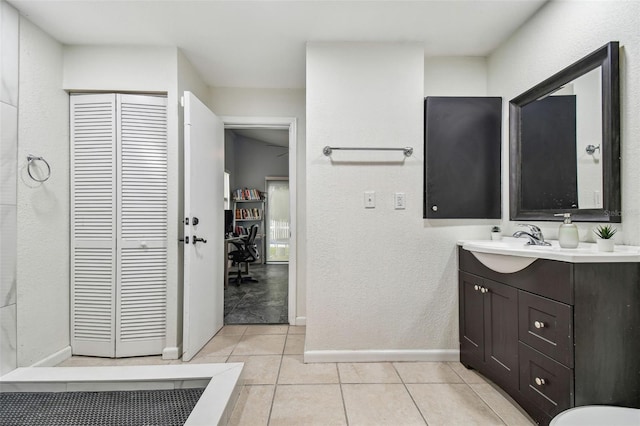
(513,254)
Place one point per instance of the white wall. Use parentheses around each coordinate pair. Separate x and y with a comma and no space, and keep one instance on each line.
(378,279)
(9,42)
(248,102)
(558,35)
(43,208)
(455,76)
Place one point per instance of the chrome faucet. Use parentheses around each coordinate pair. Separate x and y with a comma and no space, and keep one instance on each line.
(535,235)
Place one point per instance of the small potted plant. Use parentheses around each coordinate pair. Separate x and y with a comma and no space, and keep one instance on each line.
(604,234)
(496,233)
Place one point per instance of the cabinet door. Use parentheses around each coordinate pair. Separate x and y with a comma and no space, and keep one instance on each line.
(501,331)
(471,320)
(462,164)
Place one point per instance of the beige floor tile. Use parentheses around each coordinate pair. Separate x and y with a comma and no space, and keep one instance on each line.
(368,372)
(504,406)
(468,375)
(308,405)
(219,346)
(209,359)
(294,371)
(269,344)
(267,329)
(294,344)
(253,406)
(426,372)
(259,369)
(297,329)
(380,404)
(85,361)
(452,404)
(139,360)
(232,330)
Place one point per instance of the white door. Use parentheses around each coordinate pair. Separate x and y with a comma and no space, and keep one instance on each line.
(203,207)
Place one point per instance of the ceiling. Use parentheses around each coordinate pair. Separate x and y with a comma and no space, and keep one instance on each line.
(274,137)
(261,43)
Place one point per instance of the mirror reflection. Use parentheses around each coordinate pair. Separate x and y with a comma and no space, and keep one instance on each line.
(561,141)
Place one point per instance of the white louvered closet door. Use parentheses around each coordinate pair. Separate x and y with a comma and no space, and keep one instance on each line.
(138,264)
(93,224)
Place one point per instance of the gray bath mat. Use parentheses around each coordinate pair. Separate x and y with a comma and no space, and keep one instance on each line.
(112,408)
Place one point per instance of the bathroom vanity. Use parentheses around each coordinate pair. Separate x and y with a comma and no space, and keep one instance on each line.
(555,328)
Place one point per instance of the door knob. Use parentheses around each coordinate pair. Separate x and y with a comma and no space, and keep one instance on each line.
(538,324)
(540,381)
(198,240)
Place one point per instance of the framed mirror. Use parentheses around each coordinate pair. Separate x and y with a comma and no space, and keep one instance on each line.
(565,143)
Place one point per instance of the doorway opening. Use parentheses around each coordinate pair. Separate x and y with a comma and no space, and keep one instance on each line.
(260,162)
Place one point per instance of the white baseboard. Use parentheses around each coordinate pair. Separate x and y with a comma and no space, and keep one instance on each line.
(301,321)
(377,355)
(55,358)
(172,352)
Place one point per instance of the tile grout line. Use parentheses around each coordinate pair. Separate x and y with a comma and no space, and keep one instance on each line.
(410,395)
(275,385)
(486,403)
(344,404)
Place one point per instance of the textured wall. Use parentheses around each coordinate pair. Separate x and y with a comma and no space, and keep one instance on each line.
(9,42)
(43,208)
(558,35)
(378,279)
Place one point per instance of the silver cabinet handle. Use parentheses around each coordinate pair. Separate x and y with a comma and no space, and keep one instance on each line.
(484,290)
(476,287)
(434,208)
(539,381)
(538,324)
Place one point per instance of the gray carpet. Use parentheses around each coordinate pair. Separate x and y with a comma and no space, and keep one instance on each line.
(264,302)
(109,408)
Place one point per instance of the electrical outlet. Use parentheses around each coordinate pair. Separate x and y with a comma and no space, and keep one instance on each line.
(369,199)
(399,200)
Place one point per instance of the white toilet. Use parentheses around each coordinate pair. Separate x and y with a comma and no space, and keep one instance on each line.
(598,415)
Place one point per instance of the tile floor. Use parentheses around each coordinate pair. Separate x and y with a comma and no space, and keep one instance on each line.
(279,389)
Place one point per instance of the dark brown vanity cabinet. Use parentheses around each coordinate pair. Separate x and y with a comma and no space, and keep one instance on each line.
(554,335)
(489,326)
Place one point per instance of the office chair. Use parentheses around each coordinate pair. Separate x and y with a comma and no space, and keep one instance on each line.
(246,252)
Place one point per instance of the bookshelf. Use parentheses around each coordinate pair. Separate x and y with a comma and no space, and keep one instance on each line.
(248,209)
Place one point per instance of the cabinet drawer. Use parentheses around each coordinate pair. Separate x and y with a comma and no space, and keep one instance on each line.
(547,326)
(545,382)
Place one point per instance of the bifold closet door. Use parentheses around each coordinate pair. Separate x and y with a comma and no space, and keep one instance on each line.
(119,221)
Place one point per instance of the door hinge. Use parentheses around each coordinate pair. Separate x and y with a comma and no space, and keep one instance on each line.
(184,240)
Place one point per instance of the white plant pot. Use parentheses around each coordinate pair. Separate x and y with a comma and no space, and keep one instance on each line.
(496,236)
(605,245)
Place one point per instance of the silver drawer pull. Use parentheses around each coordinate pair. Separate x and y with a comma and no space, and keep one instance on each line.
(484,290)
(476,287)
(538,324)
(539,381)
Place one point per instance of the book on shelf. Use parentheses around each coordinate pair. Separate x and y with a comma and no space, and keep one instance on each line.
(248,214)
(247,195)
(242,230)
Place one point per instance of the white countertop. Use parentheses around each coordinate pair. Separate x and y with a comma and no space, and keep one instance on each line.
(584,253)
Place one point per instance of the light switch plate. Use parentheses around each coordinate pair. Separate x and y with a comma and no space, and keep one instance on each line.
(399,200)
(369,199)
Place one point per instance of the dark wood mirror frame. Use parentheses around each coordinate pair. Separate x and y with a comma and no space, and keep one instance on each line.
(607,58)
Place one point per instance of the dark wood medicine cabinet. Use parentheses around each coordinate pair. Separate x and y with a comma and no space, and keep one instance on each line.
(462,145)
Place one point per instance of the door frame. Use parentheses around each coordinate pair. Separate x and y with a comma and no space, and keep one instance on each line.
(290,123)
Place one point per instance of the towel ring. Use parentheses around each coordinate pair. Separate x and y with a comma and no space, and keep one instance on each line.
(30,159)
